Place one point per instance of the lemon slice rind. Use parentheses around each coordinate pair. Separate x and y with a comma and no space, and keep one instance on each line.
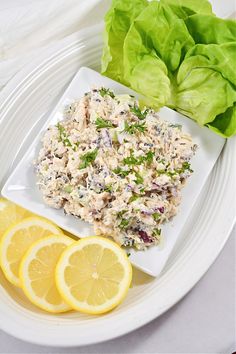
(25,279)
(9,233)
(10,214)
(64,290)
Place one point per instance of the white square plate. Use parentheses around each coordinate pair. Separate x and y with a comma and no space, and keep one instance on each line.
(21,186)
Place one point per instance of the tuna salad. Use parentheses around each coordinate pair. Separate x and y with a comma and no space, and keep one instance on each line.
(115,165)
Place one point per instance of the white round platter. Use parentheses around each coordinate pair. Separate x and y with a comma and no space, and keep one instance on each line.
(24,105)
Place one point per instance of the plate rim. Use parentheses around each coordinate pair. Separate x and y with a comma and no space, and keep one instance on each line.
(146,263)
(11,325)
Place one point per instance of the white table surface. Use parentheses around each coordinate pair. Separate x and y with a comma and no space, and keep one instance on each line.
(203,322)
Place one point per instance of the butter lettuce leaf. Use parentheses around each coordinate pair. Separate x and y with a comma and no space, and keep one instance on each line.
(117,23)
(207,29)
(185,8)
(206,82)
(166,35)
(152,49)
(225,124)
(175,53)
(156,92)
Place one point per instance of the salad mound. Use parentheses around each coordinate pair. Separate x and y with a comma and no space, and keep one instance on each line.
(116,166)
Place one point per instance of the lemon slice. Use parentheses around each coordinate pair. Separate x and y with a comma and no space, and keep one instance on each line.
(93,275)
(16,241)
(10,213)
(37,273)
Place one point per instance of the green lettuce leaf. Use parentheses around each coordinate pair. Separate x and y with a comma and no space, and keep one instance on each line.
(221,58)
(209,29)
(205,82)
(225,123)
(156,92)
(185,8)
(166,35)
(117,23)
(175,53)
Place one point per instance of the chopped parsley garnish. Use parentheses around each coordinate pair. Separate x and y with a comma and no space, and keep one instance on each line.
(108,188)
(135,161)
(137,111)
(139,178)
(75,147)
(148,157)
(133,198)
(156,216)
(67,142)
(88,158)
(168,173)
(121,213)
(103,123)
(186,166)
(103,92)
(124,223)
(63,135)
(61,129)
(128,254)
(157,232)
(131,160)
(122,173)
(161,172)
(132,128)
(171,173)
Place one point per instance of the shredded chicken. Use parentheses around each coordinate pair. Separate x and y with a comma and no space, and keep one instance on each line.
(116,166)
